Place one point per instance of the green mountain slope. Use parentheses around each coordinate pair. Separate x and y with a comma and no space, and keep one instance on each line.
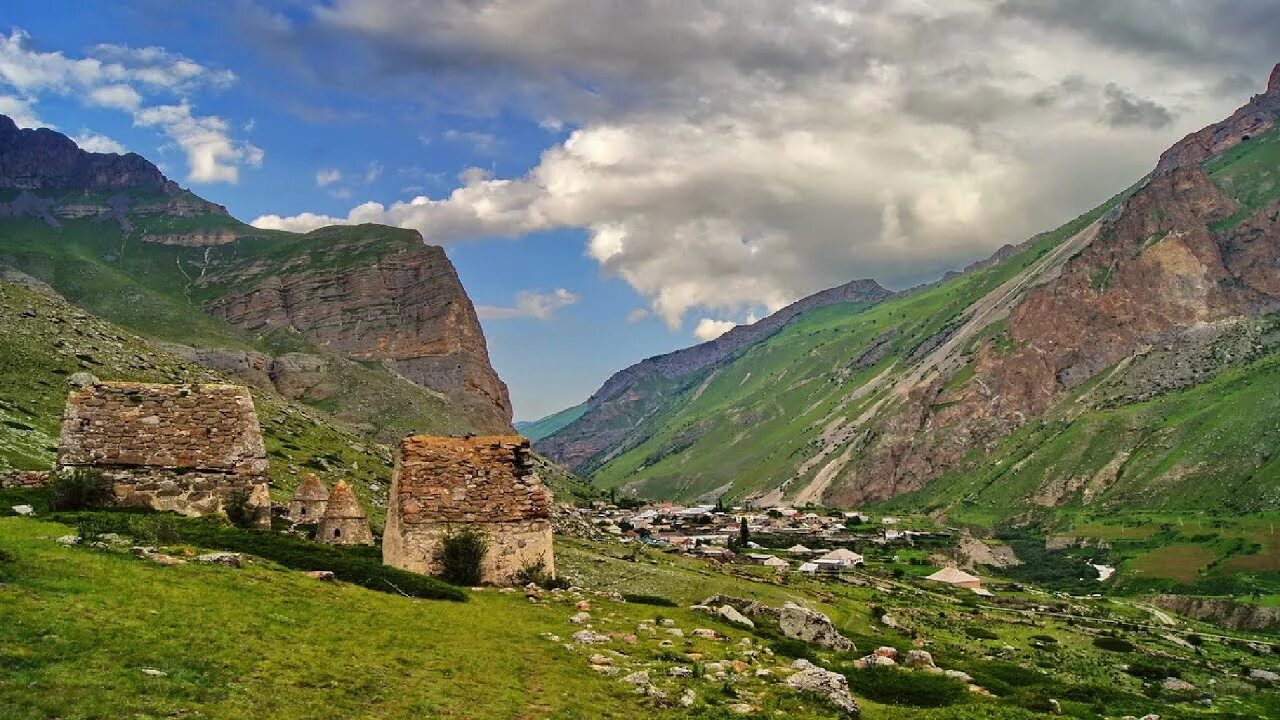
(537,429)
(1125,360)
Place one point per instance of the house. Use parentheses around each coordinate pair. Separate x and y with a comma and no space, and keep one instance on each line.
(808,568)
(776,562)
(798,550)
(842,558)
(956,577)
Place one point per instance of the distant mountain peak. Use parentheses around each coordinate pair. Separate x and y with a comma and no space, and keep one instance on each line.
(1273,85)
(44,159)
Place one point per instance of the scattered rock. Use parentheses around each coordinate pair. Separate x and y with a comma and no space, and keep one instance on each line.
(679,671)
(831,685)
(705,634)
(1174,684)
(675,632)
(958,675)
(153,672)
(580,618)
(583,605)
(919,659)
(731,615)
(873,660)
(589,637)
(82,379)
(812,627)
(69,540)
(234,560)
(601,660)
(741,709)
(1263,675)
(801,664)
(1055,707)
(321,575)
(688,698)
(639,677)
(888,621)
(667,622)
(886,651)
(24,510)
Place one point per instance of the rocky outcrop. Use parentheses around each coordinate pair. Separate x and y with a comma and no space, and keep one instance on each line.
(1165,262)
(297,376)
(43,159)
(812,627)
(401,304)
(1221,611)
(630,395)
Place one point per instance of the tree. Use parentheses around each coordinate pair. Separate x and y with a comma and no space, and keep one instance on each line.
(744,533)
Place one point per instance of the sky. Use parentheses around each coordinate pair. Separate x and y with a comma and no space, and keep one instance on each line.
(614,180)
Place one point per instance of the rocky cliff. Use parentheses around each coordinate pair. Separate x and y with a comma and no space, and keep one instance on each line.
(367,322)
(401,304)
(615,411)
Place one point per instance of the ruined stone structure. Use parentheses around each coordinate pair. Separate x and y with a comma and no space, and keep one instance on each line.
(344,521)
(444,485)
(185,448)
(309,500)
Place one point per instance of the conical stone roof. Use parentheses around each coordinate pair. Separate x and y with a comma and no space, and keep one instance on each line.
(343,504)
(311,489)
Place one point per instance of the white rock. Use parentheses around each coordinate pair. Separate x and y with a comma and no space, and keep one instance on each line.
(729,614)
(69,540)
(24,510)
(580,618)
(811,626)
(680,672)
(705,634)
(675,632)
(639,677)
(831,685)
(589,637)
(153,672)
(688,698)
(234,560)
(1264,675)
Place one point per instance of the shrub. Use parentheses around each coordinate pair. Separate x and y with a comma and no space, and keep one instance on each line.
(537,574)
(81,489)
(980,633)
(1152,669)
(238,510)
(898,687)
(462,556)
(1046,639)
(155,528)
(642,599)
(794,649)
(1114,644)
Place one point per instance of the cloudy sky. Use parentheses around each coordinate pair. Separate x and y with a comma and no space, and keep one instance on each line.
(619,179)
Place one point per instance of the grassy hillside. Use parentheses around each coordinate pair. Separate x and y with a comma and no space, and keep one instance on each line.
(156,291)
(537,429)
(276,643)
(749,427)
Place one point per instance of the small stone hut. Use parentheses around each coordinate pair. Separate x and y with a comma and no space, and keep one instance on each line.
(184,448)
(445,484)
(309,500)
(344,521)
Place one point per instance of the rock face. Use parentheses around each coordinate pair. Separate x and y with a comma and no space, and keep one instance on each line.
(812,627)
(44,159)
(182,448)
(442,485)
(402,305)
(1167,260)
(1222,611)
(615,409)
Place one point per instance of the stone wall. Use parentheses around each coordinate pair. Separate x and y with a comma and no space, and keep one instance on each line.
(443,485)
(183,448)
(24,478)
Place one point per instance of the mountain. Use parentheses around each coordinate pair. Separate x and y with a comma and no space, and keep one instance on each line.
(618,413)
(364,322)
(1125,359)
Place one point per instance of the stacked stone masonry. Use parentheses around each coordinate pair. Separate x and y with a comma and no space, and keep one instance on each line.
(444,484)
(24,478)
(184,448)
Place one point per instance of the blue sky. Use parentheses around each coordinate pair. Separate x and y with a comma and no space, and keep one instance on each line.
(616,180)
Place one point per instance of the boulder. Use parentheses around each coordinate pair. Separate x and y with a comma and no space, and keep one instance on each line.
(322,575)
(580,618)
(69,540)
(1174,684)
(228,559)
(589,637)
(1263,675)
(811,626)
(639,677)
(688,698)
(919,659)
(886,651)
(680,672)
(874,660)
(705,634)
(24,510)
(730,615)
(830,685)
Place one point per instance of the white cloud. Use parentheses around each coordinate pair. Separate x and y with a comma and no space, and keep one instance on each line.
(133,80)
(530,304)
(23,115)
(327,177)
(637,315)
(737,155)
(482,143)
(708,329)
(372,173)
(96,142)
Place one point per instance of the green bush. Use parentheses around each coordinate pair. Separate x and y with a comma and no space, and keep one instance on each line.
(462,556)
(656,600)
(537,574)
(81,489)
(899,687)
(1152,669)
(1114,644)
(1046,639)
(794,649)
(980,633)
